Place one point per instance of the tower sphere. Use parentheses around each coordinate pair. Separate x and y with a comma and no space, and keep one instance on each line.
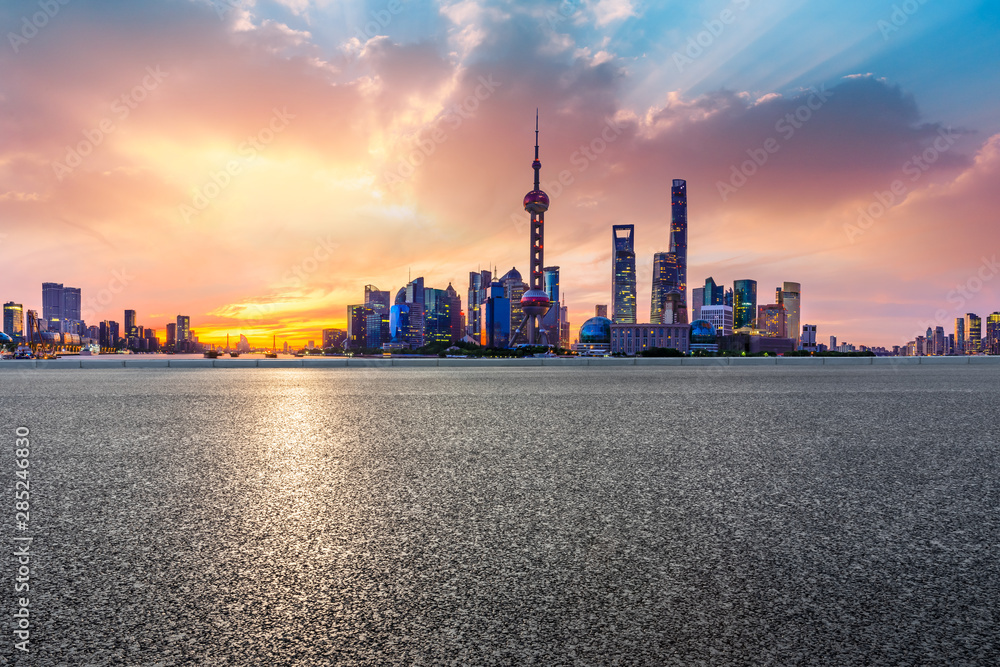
(536,201)
(535,302)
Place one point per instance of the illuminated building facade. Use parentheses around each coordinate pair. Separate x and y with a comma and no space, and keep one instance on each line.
(631,339)
(975,324)
(13,321)
(991,344)
(623,297)
(744,304)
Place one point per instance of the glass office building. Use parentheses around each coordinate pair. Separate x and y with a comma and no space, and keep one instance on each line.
(623,294)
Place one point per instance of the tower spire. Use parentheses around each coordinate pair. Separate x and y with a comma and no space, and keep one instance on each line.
(536,165)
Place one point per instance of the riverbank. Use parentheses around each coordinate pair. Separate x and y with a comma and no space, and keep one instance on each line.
(341,362)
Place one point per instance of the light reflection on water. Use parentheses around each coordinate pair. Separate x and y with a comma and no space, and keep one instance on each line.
(404,516)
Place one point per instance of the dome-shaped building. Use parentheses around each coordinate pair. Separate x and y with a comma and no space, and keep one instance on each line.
(511,276)
(704,336)
(595,337)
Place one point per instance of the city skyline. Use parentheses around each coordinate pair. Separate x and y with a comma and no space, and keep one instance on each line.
(360,154)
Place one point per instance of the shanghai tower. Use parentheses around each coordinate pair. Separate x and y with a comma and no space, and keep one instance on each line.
(670,268)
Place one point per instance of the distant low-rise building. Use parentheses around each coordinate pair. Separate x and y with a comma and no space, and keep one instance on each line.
(631,339)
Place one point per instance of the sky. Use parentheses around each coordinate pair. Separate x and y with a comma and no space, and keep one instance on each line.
(254,164)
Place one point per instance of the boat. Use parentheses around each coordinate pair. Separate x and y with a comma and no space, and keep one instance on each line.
(273,354)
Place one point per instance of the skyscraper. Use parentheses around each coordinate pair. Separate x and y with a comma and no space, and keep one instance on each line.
(959,335)
(697,301)
(31,326)
(457,315)
(131,330)
(992,342)
(437,316)
(495,316)
(665,278)
(171,341)
(52,305)
(678,233)
(535,302)
(744,303)
(623,298)
(377,321)
(974,345)
(479,283)
(183,332)
(13,320)
(789,295)
(552,319)
(71,309)
(357,327)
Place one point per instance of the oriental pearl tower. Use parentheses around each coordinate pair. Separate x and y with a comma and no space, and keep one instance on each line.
(535,302)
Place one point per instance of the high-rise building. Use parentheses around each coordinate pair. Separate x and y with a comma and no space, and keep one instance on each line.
(974,344)
(564,323)
(720,317)
(992,341)
(535,302)
(772,320)
(333,338)
(665,279)
(552,320)
(789,295)
(171,341)
(437,316)
(71,309)
(959,335)
(513,289)
(479,284)
(131,331)
(184,333)
(496,318)
(807,341)
(13,321)
(678,233)
(744,304)
(399,324)
(623,296)
(457,327)
(52,305)
(833,343)
(109,333)
(357,327)
(697,301)
(32,326)
(939,346)
(377,321)
(600,311)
